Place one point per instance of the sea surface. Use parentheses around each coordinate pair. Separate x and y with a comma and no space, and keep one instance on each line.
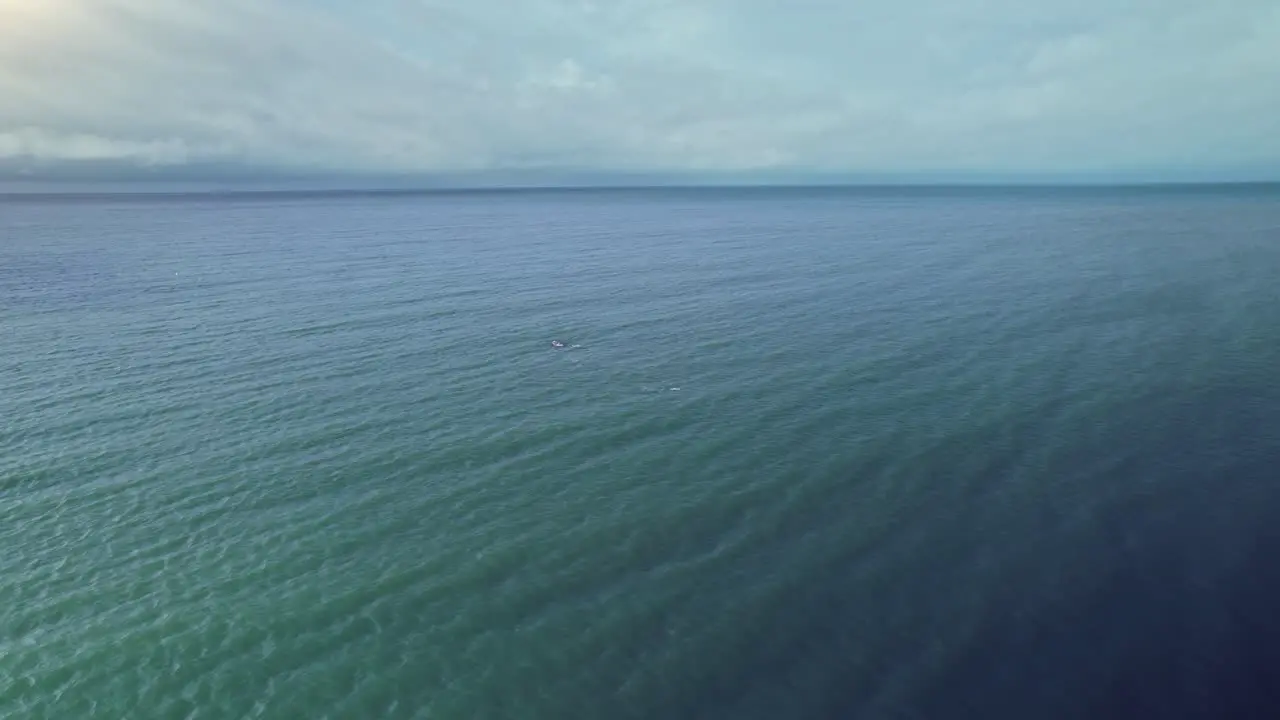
(807,453)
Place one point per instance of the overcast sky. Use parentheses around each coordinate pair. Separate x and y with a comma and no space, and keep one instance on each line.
(988,86)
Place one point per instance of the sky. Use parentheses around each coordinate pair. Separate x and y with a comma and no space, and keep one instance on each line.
(1171,88)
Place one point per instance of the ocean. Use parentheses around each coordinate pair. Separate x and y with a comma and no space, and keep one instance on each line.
(935,453)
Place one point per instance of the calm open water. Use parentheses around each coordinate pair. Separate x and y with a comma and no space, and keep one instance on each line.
(810,454)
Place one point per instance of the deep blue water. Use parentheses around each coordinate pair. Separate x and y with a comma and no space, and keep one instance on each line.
(808,453)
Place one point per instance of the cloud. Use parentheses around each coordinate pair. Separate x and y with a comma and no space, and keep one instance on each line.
(431,85)
(37,143)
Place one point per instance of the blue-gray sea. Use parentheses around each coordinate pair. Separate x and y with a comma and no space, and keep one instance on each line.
(806,453)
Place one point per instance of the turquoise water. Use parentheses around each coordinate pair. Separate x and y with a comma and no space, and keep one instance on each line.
(807,454)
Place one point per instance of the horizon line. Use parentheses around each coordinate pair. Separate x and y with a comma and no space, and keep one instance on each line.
(192,187)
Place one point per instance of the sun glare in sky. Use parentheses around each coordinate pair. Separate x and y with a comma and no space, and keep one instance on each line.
(21,8)
(22,18)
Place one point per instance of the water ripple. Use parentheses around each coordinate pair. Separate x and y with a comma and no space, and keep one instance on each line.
(808,455)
